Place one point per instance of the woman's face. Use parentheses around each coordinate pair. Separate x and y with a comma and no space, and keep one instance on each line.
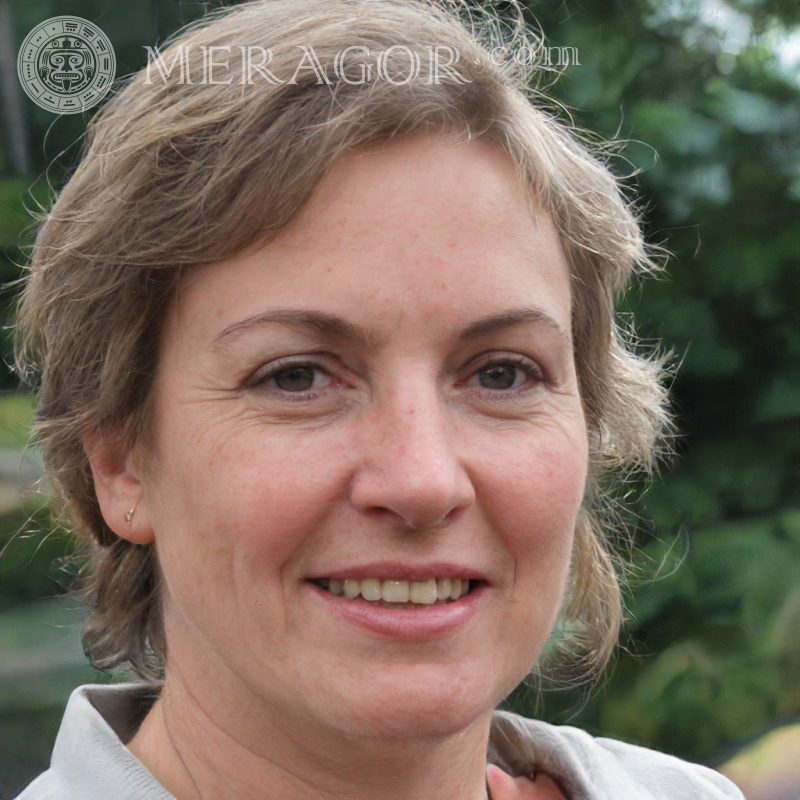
(382,398)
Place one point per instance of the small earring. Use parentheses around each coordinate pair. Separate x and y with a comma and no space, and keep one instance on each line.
(129,515)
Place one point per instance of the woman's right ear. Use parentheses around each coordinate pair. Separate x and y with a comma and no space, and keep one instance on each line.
(118,486)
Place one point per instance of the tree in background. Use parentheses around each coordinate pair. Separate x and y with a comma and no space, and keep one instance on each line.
(706,100)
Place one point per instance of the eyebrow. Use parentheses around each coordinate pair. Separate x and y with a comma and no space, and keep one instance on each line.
(508,319)
(327,324)
(334,327)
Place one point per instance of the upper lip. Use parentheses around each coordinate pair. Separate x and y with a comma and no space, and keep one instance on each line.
(398,571)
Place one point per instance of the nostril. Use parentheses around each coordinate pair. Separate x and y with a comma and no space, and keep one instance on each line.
(408,522)
(434,525)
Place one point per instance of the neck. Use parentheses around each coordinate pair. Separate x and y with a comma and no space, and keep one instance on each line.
(199,752)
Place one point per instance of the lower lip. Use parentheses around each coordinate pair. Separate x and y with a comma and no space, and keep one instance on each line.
(409,624)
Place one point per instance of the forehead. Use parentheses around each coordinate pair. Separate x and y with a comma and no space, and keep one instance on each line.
(417,228)
(397,186)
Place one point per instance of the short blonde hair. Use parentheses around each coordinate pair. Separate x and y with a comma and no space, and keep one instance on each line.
(177,174)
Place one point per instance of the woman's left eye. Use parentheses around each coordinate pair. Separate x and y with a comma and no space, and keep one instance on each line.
(503,375)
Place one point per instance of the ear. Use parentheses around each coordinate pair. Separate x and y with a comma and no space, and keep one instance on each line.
(118,485)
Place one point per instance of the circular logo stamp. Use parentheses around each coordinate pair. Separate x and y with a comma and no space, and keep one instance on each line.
(66,65)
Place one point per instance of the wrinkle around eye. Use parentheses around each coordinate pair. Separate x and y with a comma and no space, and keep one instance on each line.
(329,398)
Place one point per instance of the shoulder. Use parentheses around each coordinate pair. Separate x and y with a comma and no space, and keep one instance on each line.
(590,768)
(90,760)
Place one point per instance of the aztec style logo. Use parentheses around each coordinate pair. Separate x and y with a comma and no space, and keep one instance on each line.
(66,65)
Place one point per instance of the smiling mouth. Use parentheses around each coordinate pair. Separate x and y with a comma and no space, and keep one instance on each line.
(399,594)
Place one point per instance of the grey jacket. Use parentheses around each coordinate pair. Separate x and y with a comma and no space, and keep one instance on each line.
(90,761)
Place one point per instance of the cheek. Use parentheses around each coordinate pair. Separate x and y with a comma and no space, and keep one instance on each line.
(533,489)
(244,508)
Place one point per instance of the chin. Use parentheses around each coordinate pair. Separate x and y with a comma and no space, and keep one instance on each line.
(422,722)
(426,705)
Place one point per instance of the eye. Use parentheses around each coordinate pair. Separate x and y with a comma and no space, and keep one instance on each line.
(298,378)
(504,374)
(501,376)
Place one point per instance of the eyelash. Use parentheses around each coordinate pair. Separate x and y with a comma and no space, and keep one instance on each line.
(532,370)
(260,379)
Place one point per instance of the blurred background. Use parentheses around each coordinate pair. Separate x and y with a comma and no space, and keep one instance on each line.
(705,97)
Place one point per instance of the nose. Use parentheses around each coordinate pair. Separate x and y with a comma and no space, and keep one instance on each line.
(409,466)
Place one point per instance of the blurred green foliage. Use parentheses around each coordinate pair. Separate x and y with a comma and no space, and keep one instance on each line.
(709,117)
(16,417)
(712,122)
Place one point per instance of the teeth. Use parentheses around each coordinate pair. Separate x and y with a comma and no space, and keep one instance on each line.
(371,590)
(423,593)
(395,591)
(418,592)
